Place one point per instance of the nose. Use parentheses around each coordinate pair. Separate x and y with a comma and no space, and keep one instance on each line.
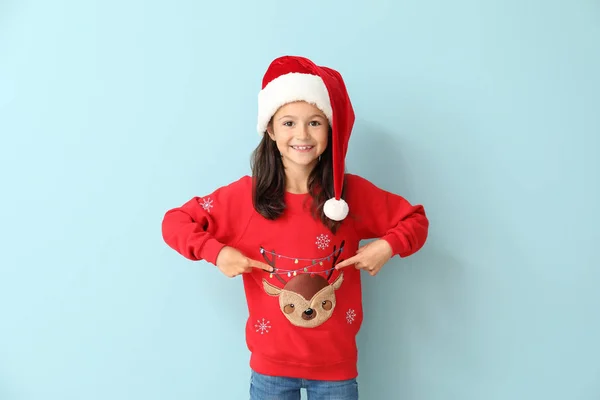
(308,314)
(302,132)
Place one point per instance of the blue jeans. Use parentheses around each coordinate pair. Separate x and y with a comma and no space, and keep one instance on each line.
(263,387)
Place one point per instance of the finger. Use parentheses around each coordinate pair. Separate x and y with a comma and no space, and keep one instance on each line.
(259,265)
(368,270)
(375,270)
(247,270)
(363,248)
(349,261)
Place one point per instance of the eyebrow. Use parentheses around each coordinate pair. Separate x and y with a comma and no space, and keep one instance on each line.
(312,116)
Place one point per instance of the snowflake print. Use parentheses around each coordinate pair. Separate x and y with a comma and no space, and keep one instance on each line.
(350,316)
(207,204)
(322,241)
(262,326)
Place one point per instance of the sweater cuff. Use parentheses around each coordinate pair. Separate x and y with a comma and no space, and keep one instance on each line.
(211,250)
(396,243)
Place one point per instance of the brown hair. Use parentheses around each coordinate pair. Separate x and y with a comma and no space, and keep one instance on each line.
(268,177)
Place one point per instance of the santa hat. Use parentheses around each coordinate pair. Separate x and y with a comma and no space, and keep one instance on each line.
(289,79)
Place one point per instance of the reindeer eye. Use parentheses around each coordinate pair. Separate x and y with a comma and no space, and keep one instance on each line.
(327,305)
(288,309)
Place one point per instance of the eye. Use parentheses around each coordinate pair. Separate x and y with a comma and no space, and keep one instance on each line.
(288,309)
(315,123)
(327,305)
(288,123)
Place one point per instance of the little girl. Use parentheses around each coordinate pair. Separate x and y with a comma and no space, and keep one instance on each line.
(292,229)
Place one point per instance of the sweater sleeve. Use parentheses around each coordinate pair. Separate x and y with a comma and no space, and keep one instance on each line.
(381,214)
(201,227)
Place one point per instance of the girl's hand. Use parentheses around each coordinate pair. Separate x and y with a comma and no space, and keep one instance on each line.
(370,257)
(232,263)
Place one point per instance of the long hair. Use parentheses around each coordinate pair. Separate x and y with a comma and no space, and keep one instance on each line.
(269,184)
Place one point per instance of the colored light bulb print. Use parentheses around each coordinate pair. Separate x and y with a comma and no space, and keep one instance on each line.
(304,264)
(307,300)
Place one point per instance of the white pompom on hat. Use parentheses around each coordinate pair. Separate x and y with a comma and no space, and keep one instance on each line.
(291,78)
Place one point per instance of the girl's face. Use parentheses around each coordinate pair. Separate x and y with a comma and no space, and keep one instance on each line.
(300,131)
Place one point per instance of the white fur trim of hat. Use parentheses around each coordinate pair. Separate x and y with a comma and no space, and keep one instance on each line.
(290,88)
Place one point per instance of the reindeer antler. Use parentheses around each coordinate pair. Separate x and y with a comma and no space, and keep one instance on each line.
(271,262)
(336,256)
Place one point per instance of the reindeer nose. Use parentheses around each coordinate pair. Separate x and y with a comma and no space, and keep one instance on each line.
(308,314)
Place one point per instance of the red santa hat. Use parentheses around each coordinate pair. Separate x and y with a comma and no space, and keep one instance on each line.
(289,79)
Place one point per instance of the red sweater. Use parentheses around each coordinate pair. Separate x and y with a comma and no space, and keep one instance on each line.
(303,319)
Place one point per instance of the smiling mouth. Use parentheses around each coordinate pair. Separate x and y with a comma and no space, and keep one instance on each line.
(302,148)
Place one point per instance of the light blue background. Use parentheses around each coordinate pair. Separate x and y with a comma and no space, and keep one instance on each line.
(488,113)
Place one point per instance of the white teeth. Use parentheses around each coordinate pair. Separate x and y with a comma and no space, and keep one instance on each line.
(302,147)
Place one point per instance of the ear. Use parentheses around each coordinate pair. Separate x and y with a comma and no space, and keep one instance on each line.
(270,289)
(338,281)
(270,131)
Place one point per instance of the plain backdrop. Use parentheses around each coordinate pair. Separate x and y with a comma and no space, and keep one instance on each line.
(486,112)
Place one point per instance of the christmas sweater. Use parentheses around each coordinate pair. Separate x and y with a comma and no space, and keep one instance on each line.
(303,317)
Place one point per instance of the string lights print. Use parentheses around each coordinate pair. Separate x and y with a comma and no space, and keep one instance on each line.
(305,265)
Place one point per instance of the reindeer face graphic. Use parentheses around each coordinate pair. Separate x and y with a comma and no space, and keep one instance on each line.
(307,300)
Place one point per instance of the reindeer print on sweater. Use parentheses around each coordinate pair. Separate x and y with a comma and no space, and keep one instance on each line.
(307,299)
